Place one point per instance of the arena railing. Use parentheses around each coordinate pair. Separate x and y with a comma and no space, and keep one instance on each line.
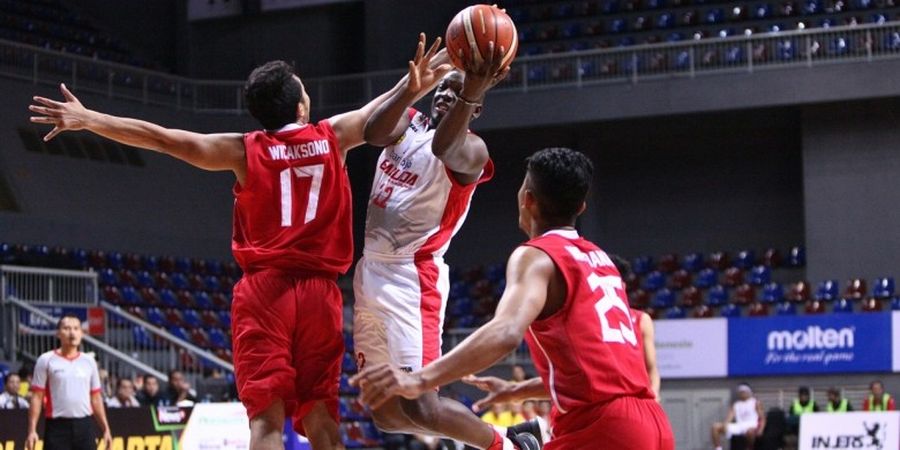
(49,286)
(622,65)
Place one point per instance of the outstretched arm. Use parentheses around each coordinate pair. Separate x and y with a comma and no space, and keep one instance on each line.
(390,119)
(220,151)
(351,127)
(465,154)
(648,335)
(502,391)
(528,275)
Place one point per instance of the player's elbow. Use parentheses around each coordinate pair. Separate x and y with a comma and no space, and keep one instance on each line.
(376,134)
(507,337)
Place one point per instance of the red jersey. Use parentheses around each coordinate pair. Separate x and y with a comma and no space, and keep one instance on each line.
(588,352)
(294,211)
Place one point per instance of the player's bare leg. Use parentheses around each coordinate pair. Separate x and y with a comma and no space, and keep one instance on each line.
(266,429)
(718,429)
(321,429)
(433,415)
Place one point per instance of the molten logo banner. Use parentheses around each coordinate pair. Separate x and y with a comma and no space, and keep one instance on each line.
(832,343)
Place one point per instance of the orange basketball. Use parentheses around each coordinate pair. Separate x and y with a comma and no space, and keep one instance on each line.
(474,28)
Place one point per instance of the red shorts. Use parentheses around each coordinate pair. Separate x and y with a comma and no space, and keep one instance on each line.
(626,423)
(288,343)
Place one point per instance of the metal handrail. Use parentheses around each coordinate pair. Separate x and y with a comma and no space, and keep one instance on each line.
(163,334)
(133,362)
(350,90)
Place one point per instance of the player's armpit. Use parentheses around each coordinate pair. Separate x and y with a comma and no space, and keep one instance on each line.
(466,161)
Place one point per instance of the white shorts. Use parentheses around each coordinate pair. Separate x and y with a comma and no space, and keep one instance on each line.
(738,428)
(398,317)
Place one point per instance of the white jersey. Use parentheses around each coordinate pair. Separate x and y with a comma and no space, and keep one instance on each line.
(67,383)
(416,206)
(745,411)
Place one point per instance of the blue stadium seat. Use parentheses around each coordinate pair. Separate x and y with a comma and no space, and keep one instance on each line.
(879,18)
(150,264)
(211,283)
(843,306)
(731,311)
(462,306)
(130,296)
(641,265)
(156,317)
(760,275)
(115,260)
(219,339)
(345,387)
(763,11)
(225,318)
(145,280)
(786,309)
(734,54)
(654,281)
(676,312)
(183,265)
(772,293)
(665,20)
(692,262)
(892,41)
(610,7)
(895,303)
(202,300)
(884,288)
(663,299)
(348,364)
(797,257)
(179,333)
(495,273)
(168,298)
(142,337)
(714,16)
(191,318)
(618,26)
(674,37)
(179,281)
(827,290)
(571,31)
(811,7)
(745,259)
(717,296)
(108,277)
(706,279)
(786,50)
(839,46)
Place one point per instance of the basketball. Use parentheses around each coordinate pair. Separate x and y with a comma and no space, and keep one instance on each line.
(474,28)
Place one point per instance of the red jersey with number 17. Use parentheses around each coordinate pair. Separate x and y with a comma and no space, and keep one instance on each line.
(587,353)
(293,212)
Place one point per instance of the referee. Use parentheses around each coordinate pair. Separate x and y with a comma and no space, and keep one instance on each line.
(68,382)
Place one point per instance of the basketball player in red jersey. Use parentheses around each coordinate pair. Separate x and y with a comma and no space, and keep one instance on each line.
(566,298)
(292,237)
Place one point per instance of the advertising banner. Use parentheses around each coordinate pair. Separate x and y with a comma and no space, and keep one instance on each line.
(854,430)
(131,428)
(692,348)
(828,343)
(896,338)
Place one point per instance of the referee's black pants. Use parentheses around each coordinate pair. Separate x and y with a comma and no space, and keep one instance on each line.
(69,434)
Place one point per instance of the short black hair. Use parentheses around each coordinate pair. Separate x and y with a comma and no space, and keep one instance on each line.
(64,317)
(622,265)
(122,380)
(272,94)
(874,382)
(803,390)
(560,180)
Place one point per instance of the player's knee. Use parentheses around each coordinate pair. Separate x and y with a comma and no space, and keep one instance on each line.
(421,412)
(390,421)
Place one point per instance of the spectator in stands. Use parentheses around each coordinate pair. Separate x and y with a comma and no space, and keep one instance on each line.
(180,392)
(493,415)
(25,374)
(878,400)
(518,374)
(150,395)
(802,404)
(10,398)
(530,412)
(124,397)
(745,418)
(543,409)
(836,403)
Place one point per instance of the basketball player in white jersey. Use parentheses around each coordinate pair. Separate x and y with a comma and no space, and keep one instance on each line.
(423,186)
(745,418)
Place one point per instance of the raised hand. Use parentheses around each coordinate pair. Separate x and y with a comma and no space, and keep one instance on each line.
(499,391)
(70,115)
(427,69)
(483,75)
(382,382)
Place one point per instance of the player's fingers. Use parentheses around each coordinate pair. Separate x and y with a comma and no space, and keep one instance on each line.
(435,46)
(52,134)
(69,96)
(44,110)
(442,70)
(489,59)
(420,47)
(42,119)
(483,403)
(413,75)
(46,101)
